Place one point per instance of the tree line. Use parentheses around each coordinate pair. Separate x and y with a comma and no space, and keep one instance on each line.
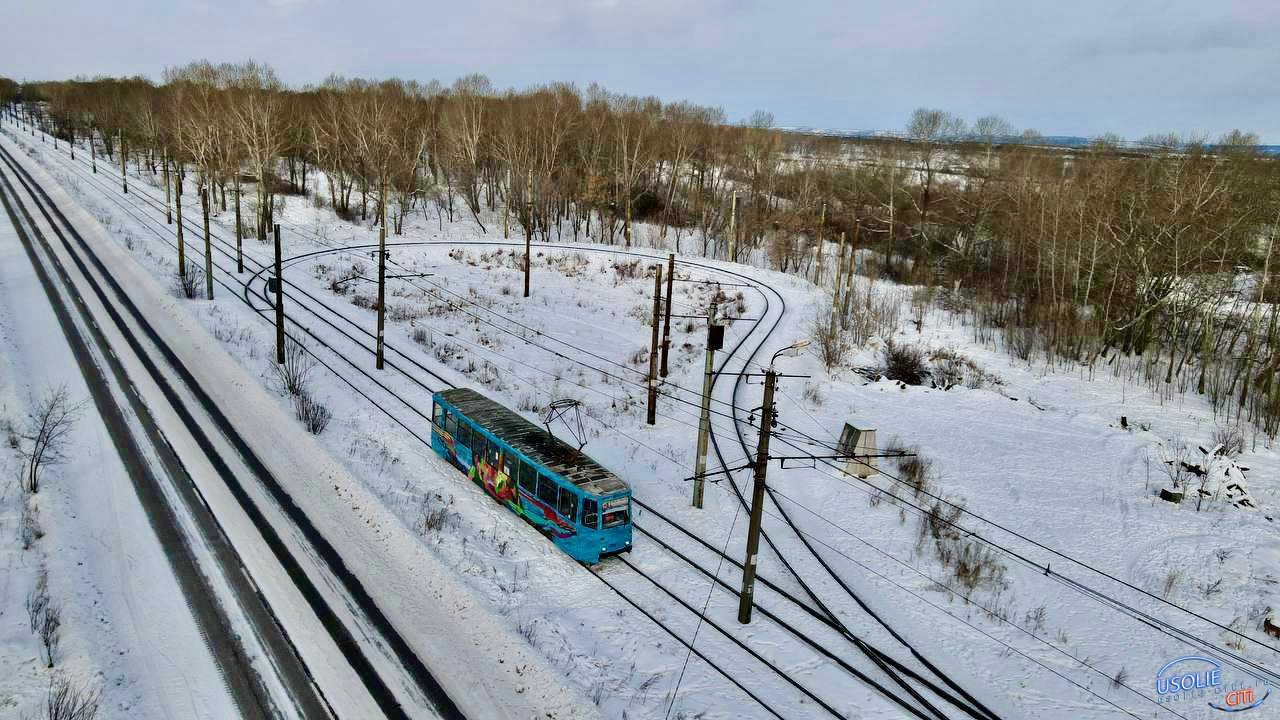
(1079,255)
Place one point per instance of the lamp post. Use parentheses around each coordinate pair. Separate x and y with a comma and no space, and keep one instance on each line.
(757,488)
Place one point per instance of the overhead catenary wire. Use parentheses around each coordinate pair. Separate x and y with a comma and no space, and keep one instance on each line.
(765,705)
(615,363)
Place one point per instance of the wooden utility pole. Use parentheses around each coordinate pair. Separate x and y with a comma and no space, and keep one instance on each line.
(652,417)
(715,338)
(733,220)
(182,248)
(93,154)
(757,500)
(666,312)
(528,229)
(382,278)
(279,300)
(205,199)
(239,231)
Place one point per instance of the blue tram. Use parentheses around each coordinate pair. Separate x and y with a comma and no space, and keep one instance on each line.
(582,507)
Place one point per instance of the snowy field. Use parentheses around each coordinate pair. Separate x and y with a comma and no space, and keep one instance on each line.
(1039,450)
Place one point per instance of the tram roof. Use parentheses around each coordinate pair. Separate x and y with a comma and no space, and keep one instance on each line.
(541,446)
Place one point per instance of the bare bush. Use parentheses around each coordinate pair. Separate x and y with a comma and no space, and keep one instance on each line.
(313,414)
(189,285)
(1176,463)
(29,530)
(294,374)
(904,363)
(971,564)
(435,514)
(832,342)
(44,617)
(1230,439)
(1021,342)
(949,368)
(10,430)
(50,633)
(45,437)
(38,600)
(921,300)
(915,471)
(68,699)
(813,394)
(867,311)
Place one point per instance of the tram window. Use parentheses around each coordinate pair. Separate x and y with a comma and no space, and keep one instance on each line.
(568,504)
(615,512)
(547,490)
(463,437)
(451,425)
(589,509)
(528,478)
(438,413)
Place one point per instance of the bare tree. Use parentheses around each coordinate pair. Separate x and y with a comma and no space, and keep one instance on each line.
(929,129)
(46,435)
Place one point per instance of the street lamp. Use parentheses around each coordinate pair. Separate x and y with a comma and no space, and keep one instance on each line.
(757,488)
(792,350)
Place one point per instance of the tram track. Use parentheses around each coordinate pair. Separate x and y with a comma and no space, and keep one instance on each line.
(148,345)
(305,299)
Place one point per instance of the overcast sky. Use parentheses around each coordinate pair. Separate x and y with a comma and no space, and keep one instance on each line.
(1131,67)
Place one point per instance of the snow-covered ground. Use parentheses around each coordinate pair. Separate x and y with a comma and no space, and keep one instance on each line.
(1042,453)
(103,564)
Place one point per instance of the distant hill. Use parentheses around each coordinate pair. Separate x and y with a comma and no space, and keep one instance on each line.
(1070,141)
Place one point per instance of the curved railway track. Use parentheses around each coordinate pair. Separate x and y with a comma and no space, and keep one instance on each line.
(925,692)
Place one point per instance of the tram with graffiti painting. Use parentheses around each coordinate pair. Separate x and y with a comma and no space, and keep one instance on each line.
(579,505)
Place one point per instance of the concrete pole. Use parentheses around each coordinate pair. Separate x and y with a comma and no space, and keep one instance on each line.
(666,312)
(279,300)
(182,248)
(206,197)
(382,279)
(652,417)
(757,500)
(704,420)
